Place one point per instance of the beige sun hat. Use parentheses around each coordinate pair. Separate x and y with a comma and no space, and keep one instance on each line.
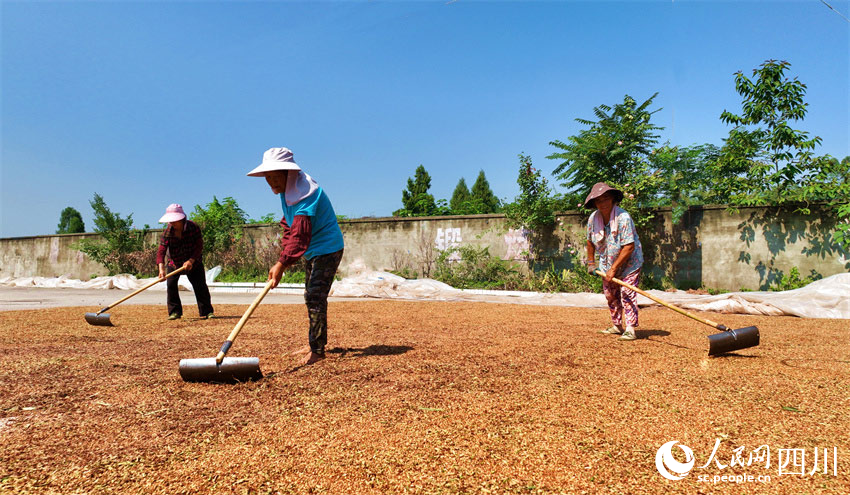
(275,159)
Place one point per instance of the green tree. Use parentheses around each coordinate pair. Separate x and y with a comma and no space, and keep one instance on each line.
(763,160)
(460,198)
(482,196)
(121,239)
(221,223)
(684,181)
(838,172)
(615,149)
(70,222)
(533,209)
(416,200)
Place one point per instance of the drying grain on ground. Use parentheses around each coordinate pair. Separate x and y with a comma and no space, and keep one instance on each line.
(414,397)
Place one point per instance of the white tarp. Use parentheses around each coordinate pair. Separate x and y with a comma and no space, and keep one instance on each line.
(826,298)
(122,281)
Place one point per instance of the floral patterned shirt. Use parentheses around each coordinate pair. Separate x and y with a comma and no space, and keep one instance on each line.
(612,243)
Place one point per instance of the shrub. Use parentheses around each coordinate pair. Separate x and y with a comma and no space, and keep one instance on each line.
(793,280)
(476,269)
(120,239)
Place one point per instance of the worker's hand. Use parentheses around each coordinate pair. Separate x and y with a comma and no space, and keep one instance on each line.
(591,268)
(275,273)
(610,274)
(188,265)
(161,271)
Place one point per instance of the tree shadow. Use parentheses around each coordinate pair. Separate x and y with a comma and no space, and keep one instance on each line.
(784,228)
(672,249)
(372,350)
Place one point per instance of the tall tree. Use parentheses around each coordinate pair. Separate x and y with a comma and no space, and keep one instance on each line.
(118,231)
(482,196)
(416,200)
(70,222)
(120,238)
(684,179)
(615,148)
(763,160)
(533,209)
(460,198)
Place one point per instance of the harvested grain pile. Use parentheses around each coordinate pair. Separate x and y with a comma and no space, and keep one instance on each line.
(414,397)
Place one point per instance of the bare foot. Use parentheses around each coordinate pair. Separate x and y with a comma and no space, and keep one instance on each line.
(303,350)
(312,358)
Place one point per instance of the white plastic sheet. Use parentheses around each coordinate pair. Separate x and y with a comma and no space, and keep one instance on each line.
(826,298)
(122,281)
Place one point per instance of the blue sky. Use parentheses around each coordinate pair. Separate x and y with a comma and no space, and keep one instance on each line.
(150,103)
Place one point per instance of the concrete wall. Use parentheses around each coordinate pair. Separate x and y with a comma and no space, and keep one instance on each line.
(47,256)
(53,255)
(707,247)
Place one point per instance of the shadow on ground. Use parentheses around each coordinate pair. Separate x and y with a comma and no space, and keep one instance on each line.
(372,350)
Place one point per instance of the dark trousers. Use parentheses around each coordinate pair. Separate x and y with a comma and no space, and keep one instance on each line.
(197,277)
(320,273)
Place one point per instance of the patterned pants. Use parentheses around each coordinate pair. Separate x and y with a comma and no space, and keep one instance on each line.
(622,300)
(320,273)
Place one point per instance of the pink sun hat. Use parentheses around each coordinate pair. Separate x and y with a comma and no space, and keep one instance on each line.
(173,213)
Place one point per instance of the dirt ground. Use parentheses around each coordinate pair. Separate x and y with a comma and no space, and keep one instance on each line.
(418,397)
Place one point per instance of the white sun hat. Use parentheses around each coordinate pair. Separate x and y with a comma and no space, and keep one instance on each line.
(173,213)
(275,159)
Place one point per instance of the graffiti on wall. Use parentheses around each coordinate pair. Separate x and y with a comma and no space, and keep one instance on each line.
(516,242)
(449,238)
(54,250)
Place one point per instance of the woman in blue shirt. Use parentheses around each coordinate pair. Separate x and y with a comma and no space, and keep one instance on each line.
(310,230)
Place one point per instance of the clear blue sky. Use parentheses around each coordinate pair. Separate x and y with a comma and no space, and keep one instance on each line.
(150,103)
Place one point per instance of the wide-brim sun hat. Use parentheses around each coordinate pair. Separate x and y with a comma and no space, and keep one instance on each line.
(275,159)
(599,189)
(173,213)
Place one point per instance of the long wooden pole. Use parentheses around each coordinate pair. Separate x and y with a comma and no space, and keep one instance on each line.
(148,286)
(665,303)
(230,338)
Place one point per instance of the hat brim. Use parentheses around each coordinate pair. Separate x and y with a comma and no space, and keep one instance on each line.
(172,217)
(266,167)
(618,197)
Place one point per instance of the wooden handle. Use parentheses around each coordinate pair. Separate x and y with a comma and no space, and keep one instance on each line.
(664,303)
(116,303)
(230,338)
